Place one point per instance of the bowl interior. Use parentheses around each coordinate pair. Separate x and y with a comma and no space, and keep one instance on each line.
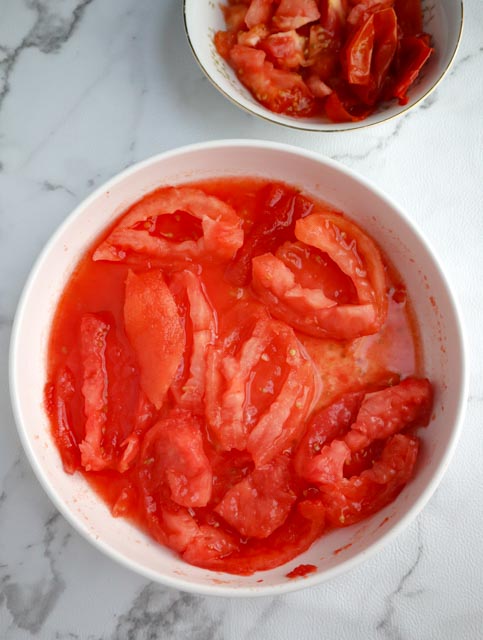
(440,335)
(442,19)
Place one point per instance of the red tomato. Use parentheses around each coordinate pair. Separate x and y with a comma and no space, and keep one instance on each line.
(344,108)
(278,90)
(351,500)
(384,413)
(318,87)
(224,41)
(258,12)
(286,49)
(58,398)
(222,233)
(329,424)
(281,208)
(414,51)
(252,37)
(308,309)
(173,453)
(362,10)
(261,502)
(154,329)
(234,15)
(292,14)
(357,53)
(409,16)
(188,386)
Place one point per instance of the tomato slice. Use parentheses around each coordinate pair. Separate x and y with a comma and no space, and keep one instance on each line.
(234,14)
(293,14)
(59,396)
(94,389)
(261,502)
(173,453)
(188,386)
(154,329)
(224,41)
(414,52)
(143,419)
(357,53)
(278,90)
(286,49)
(329,424)
(310,310)
(384,413)
(221,227)
(259,12)
(351,500)
(281,208)
(361,11)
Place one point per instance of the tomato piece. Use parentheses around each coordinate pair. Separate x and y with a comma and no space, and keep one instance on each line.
(351,500)
(286,49)
(409,16)
(259,12)
(61,393)
(234,15)
(261,502)
(173,453)
(209,545)
(224,41)
(293,14)
(143,419)
(357,53)
(278,90)
(94,389)
(361,11)
(304,524)
(345,109)
(333,15)
(222,233)
(323,53)
(317,86)
(188,386)
(414,52)
(310,310)
(331,423)
(281,208)
(154,329)
(253,37)
(384,413)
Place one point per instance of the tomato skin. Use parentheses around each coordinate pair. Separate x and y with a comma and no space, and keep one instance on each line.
(154,330)
(293,14)
(278,90)
(357,54)
(409,16)
(413,54)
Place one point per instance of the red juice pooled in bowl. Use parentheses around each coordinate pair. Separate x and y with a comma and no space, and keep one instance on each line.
(234,367)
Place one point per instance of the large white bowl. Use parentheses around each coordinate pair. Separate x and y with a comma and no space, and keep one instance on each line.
(434,304)
(442,19)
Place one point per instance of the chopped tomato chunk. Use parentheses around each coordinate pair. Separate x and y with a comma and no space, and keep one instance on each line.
(62,392)
(258,12)
(292,14)
(281,91)
(286,49)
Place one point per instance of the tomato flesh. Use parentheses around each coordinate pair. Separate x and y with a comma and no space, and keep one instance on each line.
(218,412)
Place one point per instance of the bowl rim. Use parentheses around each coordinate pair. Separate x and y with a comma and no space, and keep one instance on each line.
(324,127)
(229,590)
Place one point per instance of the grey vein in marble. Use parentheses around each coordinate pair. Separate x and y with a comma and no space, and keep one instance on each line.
(387,625)
(165,613)
(49,32)
(30,602)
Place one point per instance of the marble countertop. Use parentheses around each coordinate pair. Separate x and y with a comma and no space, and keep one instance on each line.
(87,87)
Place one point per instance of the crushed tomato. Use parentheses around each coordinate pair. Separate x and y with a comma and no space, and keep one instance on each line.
(234,368)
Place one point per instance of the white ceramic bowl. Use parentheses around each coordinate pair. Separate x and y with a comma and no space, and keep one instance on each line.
(441,335)
(443,19)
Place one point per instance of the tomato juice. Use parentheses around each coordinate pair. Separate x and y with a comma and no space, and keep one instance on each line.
(217,363)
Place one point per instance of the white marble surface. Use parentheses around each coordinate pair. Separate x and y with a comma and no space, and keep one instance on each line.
(87,87)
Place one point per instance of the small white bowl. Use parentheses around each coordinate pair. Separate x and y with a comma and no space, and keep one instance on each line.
(442,19)
(441,338)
